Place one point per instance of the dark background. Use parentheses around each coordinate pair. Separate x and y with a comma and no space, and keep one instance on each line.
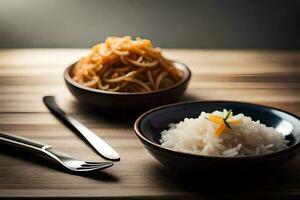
(258,24)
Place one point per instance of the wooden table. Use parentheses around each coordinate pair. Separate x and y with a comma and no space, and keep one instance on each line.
(265,77)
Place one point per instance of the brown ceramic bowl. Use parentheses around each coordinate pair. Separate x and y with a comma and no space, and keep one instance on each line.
(124,100)
(149,126)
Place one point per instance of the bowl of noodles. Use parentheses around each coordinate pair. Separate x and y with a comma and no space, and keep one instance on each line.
(126,73)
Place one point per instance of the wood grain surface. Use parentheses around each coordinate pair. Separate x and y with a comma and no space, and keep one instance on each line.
(266,77)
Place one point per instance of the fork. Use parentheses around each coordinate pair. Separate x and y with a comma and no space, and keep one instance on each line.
(47,151)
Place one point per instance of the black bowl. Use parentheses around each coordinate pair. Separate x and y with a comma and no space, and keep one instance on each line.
(149,125)
(107,100)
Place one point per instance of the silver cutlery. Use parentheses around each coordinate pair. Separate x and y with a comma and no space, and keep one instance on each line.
(48,152)
(97,143)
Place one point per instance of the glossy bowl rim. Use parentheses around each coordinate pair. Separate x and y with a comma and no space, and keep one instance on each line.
(139,134)
(187,76)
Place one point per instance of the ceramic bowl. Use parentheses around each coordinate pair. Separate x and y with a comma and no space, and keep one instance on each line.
(124,100)
(149,126)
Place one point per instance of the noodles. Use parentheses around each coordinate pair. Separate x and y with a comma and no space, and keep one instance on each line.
(125,65)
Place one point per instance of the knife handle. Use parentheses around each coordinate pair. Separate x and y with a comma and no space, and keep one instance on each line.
(21,142)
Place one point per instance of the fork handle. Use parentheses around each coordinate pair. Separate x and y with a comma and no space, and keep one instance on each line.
(21,142)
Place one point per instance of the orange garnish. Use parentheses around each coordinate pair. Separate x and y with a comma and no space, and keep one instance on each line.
(219,130)
(235,121)
(223,122)
(216,119)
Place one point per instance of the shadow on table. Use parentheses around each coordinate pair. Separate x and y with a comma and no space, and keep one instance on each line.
(124,117)
(216,183)
(42,162)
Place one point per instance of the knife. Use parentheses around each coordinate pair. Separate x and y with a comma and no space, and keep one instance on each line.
(104,149)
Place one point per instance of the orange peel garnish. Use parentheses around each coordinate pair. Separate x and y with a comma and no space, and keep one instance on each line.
(223,123)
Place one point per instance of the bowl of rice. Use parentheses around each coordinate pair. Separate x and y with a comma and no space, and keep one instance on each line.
(219,135)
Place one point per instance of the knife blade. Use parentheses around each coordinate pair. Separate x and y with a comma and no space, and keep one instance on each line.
(99,145)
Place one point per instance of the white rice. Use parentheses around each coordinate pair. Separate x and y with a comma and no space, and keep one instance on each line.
(198,136)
